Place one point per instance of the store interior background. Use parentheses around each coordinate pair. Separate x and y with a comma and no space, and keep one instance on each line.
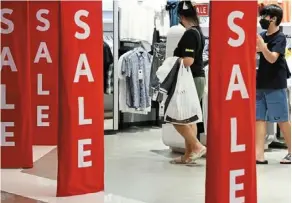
(138,147)
(116,121)
(108,38)
(145,131)
(149,134)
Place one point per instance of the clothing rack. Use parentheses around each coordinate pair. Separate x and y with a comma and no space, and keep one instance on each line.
(131,43)
(126,45)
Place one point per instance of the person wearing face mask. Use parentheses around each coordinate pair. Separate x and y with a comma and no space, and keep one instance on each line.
(271,92)
(190,50)
(192,43)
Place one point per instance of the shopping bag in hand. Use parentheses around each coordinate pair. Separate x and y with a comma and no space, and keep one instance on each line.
(184,106)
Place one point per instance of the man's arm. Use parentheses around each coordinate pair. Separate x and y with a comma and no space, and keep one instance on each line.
(271,57)
(277,48)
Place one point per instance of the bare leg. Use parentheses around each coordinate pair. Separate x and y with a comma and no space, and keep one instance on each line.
(199,146)
(192,144)
(190,141)
(188,148)
(261,128)
(285,127)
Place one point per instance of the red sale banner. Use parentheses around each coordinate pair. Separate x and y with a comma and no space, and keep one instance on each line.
(231,169)
(81,130)
(16,138)
(202,9)
(44,49)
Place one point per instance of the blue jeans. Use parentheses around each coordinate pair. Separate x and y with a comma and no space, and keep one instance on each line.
(272,105)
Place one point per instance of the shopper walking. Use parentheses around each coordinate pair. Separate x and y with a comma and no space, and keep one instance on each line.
(271,93)
(190,50)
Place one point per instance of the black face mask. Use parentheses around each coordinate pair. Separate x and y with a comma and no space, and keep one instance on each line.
(265,24)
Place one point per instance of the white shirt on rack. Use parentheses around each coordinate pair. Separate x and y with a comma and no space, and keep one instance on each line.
(136,21)
(123,107)
(162,20)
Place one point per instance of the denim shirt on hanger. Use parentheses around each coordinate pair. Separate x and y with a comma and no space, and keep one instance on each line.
(171,7)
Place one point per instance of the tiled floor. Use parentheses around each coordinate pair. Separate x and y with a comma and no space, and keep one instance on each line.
(137,171)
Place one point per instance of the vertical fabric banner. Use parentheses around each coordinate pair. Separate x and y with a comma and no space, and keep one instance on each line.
(44,34)
(16,138)
(81,130)
(231,169)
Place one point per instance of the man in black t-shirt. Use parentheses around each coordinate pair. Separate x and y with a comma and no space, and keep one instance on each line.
(271,94)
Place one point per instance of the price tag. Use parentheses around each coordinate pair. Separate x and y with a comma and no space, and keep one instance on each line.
(161,109)
(140,75)
(155,95)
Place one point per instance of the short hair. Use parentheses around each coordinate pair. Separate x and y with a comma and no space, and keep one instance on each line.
(273,10)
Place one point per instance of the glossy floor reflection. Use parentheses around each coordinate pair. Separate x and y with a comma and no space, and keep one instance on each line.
(138,171)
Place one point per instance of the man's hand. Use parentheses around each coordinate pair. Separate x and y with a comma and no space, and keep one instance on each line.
(261,45)
(271,57)
(257,49)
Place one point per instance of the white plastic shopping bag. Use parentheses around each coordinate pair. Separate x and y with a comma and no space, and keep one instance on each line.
(184,106)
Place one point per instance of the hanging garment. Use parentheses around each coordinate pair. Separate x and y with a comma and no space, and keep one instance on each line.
(108,38)
(156,36)
(136,21)
(137,68)
(123,89)
(158,58)
(162,22)
(108,60)
(134,70)
(171,7)
(206,53)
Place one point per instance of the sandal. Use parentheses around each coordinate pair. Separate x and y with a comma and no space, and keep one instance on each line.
(287,159)
(182,161)
(196,156)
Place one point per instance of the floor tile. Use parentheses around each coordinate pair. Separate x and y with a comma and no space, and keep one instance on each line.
(137,170)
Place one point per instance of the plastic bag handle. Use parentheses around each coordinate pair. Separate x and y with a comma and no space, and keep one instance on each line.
(183,66)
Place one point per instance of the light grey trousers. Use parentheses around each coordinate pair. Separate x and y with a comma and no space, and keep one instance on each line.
(200,86)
